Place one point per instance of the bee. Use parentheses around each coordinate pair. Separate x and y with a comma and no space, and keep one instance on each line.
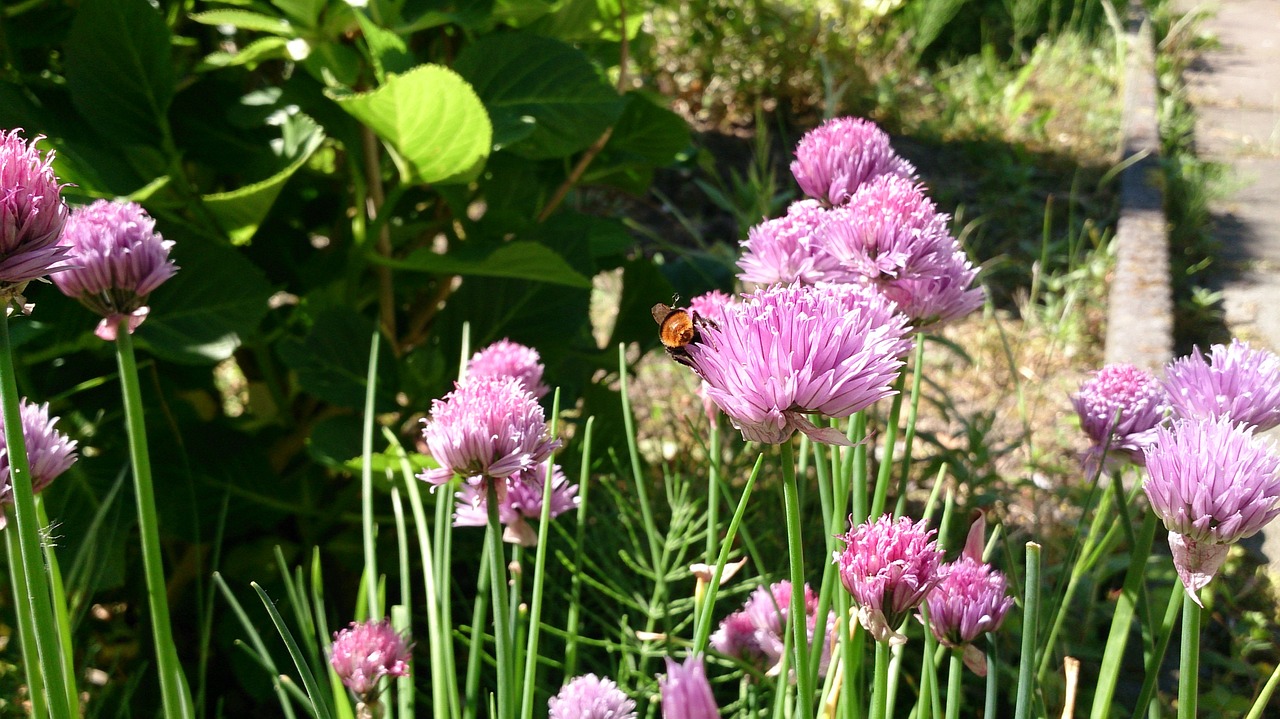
(677,328)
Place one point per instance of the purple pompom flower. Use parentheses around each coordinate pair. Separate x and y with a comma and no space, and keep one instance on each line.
(505,358)
(32,215)
(1119,408)
(365,652)
(486,428)
(755,633)
(784,250)
(120,259)
(686,693)
(49,452)
(1236,381)
(889,567)
(893,237)
(787,351)
(522,500)
(836,158)
(1212,483)
(971,600)
(591,697)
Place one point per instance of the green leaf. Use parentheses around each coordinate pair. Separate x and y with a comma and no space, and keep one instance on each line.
(201,313)
(520,259)
(645,134)
(525,79)
(246,20)
(432,121)
(120,69)
(424,14)
(240,211)
(260,50)
(332,362)
(303,13)
(388,51)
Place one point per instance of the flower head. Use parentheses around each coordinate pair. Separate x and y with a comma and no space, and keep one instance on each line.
(591,697)
(835,159)
(120,259)
(893,237)
(1236,382)
(49,452)
(522,500)
(487,427)
(889,567)
(1119,408)
(971,600)
(32,214)
(686,693)
(784,250)
(505,358)
(1212,483)
(785,351)
(756,633)
(365,652)
(711,304)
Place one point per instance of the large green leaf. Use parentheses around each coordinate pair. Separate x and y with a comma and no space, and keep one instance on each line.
(526,80)
(432,121)
(201,313)
(332,362)
(239,212)
(520,259)
(119,69)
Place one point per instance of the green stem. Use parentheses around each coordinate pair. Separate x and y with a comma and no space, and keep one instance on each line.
(34,596)
(890,439)
(475,648)
(880,685)
(539,575)
(954,674)
(60,610)
(498,587)
(575,582)
(795,552)
(366,484)
(702,630)
(1030,630)
(1151,667)
(913,411)
(171,680)
(713,489)
(1189,664)
(26,632)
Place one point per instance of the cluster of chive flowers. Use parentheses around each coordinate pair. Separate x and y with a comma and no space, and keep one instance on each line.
(365,653)
(1209,478)
(49,451)
(756,633)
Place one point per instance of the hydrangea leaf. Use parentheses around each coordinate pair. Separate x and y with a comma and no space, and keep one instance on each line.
(246,20)
(527,80)
(120,69)
(431,120)
(332,361)
(520,259)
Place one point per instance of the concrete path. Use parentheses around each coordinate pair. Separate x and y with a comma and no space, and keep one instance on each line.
(1235,89)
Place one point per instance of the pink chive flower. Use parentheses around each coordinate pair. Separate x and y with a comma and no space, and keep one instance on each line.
(591,697)
(1119,408)
(120,259)
(522,501)
(487,427)
(365,652)
(889,567)
(711,305)
(1212,483)
(971,600)
(836,158)
(505,358)
(1236,382)
(49,452)
(893,237)
(32,215)
(686,693)
(784,250)
(755,633)
(787,351)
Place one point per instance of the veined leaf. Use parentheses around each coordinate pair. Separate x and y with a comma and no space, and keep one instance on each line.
(246,20)
(520,259)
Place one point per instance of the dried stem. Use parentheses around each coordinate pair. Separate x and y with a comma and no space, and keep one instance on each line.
(374,205)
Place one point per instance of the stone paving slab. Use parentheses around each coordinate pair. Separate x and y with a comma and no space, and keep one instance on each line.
(1226,132)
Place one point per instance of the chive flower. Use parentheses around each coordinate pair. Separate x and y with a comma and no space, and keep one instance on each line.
(505,358)
(120,260)
(486,428)
(889,567)
(1236,381)
(971,600)
(32,215)
(757,632)
(591,697)
(686,693)
(836,158)
(1119,408)
(784,250)
(521,501)
(1213,483)
(364,653)
(789,350)
(49,452)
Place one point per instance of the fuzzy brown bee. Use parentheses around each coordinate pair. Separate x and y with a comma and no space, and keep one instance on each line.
(675,327)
